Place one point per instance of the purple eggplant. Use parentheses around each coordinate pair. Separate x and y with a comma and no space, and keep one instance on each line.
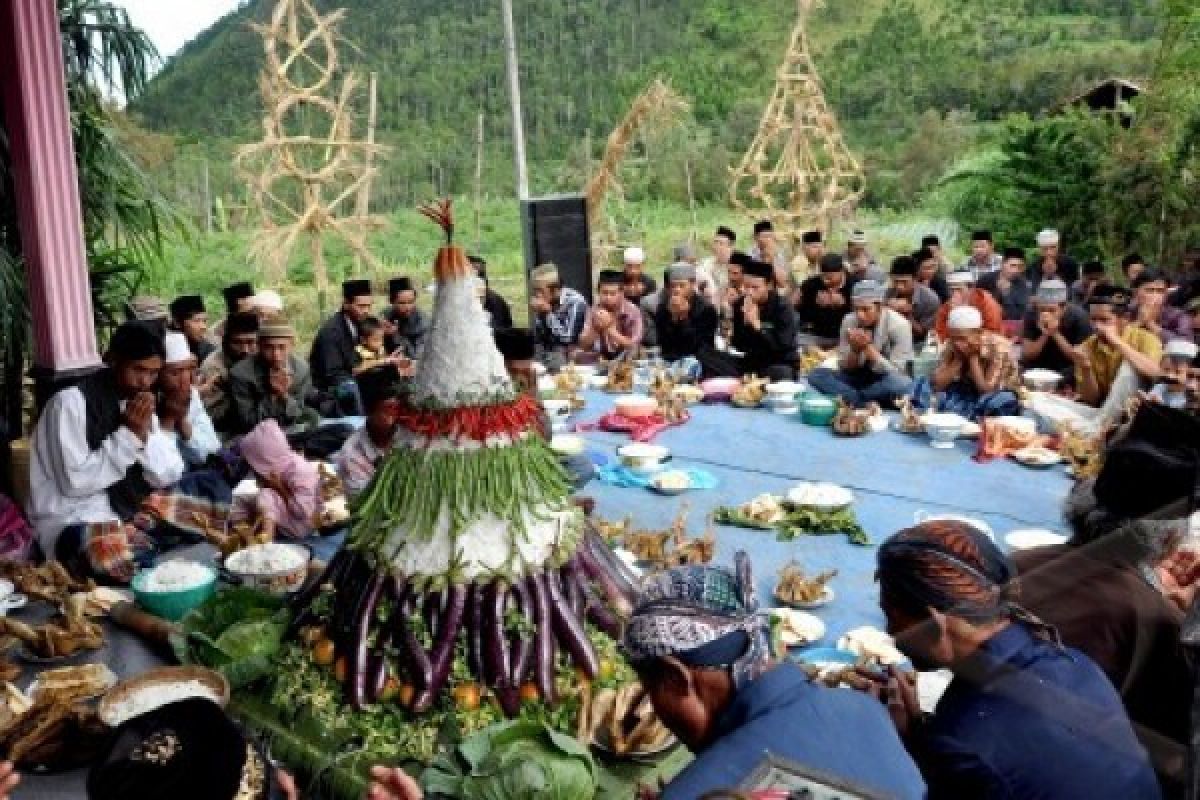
(543,658)
(496,665)
(599,572)
(432,612)
(571,633)
(377,675)
(521,645)
(442,657)
(616,569)
(474,631)
(568,578)
(597,612)
(413,658)
(357,672)
(301,603)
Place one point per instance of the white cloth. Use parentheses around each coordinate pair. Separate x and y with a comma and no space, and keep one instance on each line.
(67,481)
(1053,411)
(204,441)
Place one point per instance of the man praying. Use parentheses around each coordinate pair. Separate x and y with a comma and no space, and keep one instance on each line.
(240,341)
(189,317)
(764,327)
(915,302)
(635,282)
(1052,262)
(768,250)
(1053,329)
(874,352)
(963,293)
(825,300)
(404,325)
(614,325)
(559,313)
(1008,286)
(686,324)
(974,372)
(180,411)
(370,444)
(333,358)
(274,383)
(984,258)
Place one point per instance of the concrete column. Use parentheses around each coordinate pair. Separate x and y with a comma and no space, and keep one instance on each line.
(36,116)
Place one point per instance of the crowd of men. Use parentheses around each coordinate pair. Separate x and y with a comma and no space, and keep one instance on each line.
(145,453)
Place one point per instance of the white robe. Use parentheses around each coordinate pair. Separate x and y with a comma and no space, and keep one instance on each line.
(204,441)
(67,481)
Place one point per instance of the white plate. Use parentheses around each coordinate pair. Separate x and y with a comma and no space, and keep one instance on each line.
(1038,457)
(821,496)
(1028,538)
(799,627)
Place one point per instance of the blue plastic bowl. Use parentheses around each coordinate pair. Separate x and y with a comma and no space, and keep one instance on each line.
(176,604)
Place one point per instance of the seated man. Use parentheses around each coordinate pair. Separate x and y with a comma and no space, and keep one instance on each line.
(239,299)
(860,264)
(493,303)
(686,324)
(1051,261)
(367,446)
(189,318)
(1152,311)
(614,325)
(807,262)
(1053,329)
(916,303)
(974,372)
(559,314)
(717,265)
(930,274)
(825,299)
(768,250)
(97,455)
(1177,374)
(874,353)
(1008,286)
(962,293)
(635,282)
(735,286)
(240,341)
(984,258)
(1110,367)
(705,663)
(404,325)
(272,384)
(180,411)
(1024,716)
(332,358)
(1094,274)
(149,310)
(764,328)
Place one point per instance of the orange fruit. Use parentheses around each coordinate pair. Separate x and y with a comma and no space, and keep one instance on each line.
(339,669)
(323,652)
(404,694)
(466,696)
(530,693)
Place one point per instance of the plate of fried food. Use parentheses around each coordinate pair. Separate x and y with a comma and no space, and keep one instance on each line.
(62,639)
(622,726)
(797,590)
(1036,457)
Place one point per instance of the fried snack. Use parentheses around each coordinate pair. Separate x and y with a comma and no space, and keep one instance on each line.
(53,733)
(697,551)
(49,582)
(751,393)
(910,420)
(649,546)
(795,588)
(67,684)
(620,377)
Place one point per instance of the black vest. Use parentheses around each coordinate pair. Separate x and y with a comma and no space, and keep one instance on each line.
(103,418)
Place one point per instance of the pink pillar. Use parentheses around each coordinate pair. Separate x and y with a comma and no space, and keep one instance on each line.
(36,116)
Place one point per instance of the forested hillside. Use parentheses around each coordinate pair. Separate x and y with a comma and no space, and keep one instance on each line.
(894,71)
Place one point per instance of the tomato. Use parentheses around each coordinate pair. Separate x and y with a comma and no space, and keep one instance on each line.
(323,652)
(404,694)
(339,669)
(466,696)
(530,693)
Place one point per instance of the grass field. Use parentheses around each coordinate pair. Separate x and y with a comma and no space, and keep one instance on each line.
(205,263)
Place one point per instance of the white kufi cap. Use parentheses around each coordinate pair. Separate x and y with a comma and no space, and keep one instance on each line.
(635,255)
(964,318)
(177,348)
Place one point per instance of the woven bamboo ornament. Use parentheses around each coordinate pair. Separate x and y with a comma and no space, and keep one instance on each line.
(657,108)
(798,172)
(306,173)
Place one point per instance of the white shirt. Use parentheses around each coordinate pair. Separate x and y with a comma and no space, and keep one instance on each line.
(67,481)
(204,441)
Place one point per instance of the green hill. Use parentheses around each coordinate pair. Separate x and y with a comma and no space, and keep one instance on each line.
(885,63)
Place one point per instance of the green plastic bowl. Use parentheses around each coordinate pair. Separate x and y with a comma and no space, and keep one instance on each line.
(176,604)
(817,409)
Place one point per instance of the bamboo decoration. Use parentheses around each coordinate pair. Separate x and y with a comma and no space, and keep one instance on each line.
(307,182)
(658,107)
(798,171)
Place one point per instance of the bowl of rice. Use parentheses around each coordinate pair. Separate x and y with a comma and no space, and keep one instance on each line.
(173,588)
(276,567)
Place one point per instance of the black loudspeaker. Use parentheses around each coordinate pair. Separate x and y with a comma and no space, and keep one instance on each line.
(556,231)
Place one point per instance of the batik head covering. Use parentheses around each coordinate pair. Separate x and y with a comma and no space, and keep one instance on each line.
(956,569)
(703,616)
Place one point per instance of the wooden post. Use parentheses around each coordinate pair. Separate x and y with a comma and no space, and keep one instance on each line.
(479,185)
(364,192)
(687,171)
(514,98)
(208,217)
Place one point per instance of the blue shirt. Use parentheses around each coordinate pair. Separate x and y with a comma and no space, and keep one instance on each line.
(1038,722)
(836,732)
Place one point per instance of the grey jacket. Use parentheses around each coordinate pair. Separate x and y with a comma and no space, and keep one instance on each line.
(893,340)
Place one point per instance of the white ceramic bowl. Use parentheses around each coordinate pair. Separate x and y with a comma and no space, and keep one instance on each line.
(1042,380)
(643,457)
(671,483)
(636,406)
(943,429)
(566,444)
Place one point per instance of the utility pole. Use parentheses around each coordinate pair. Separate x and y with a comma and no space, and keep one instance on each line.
(514,96)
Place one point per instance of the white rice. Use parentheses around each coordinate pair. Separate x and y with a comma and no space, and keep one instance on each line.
(149,698)
(263,559)
(174,576)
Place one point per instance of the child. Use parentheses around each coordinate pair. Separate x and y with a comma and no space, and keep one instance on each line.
(289,494)
(1171,389)
(370,350)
